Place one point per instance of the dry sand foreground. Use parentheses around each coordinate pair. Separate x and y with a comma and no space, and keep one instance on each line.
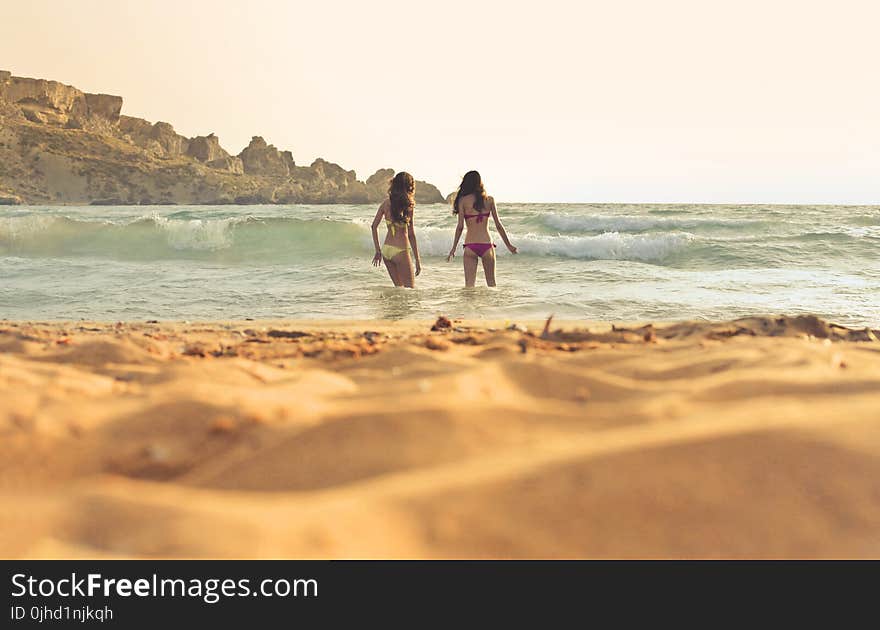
(753,438)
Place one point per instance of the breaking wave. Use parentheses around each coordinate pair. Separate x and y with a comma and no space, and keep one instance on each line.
(285,239)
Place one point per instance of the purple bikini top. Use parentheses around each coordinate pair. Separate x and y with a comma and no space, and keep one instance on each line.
(479,216)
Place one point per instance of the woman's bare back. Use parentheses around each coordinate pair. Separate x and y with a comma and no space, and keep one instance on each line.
(476,220)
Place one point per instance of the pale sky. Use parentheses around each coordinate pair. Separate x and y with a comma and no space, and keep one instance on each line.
(768,101)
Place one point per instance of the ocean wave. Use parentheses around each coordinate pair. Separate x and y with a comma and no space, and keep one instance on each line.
(17,228)
(634,223)
(867,231)
(192,234)
(285,239)
(837,234)
(865,219)
(435,241)
(58,235)
(608,246)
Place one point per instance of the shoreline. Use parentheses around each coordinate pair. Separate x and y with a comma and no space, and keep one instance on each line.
(327,323)
(808,327)
(753,438)
(446,203)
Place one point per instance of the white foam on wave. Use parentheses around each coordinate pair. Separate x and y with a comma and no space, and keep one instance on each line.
(633,223)
(197,234)
(15,228)
(608,246)
(180,234)
(205,235)
(866,231)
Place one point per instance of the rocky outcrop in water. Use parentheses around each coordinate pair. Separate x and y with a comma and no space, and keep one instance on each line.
(59,145)
(427,193)
(377,185)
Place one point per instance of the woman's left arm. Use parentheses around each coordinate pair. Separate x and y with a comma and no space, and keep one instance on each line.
(415,246)
(500,227)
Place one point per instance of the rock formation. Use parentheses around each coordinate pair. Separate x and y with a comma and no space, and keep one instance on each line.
(229,163)
(104,106)
(378,182)
(206,148)
(377,185)
(52,103)
(61,145)
(160,138)
(259,158)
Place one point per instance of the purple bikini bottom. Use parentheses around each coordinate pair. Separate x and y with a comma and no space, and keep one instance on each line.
(479,248)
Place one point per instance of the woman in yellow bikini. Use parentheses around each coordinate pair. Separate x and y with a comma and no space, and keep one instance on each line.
(397,211)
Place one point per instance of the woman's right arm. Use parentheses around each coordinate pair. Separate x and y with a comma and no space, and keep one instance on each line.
(377,259)
(458,230)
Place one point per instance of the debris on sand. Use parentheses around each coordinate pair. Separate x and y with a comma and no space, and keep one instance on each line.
(442,323)
(196,349)
(545,334)
(371,336)
(287,334)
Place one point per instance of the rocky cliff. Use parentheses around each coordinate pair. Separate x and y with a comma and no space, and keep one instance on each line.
(59,145)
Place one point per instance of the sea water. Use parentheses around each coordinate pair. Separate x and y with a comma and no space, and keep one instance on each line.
(583,261)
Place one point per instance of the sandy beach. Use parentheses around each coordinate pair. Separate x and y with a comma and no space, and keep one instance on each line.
(323,439)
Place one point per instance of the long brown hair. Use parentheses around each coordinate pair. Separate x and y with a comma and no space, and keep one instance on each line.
(471,184)
(401,193)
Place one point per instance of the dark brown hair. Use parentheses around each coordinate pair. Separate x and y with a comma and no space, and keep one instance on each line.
(401,193)
(471,184)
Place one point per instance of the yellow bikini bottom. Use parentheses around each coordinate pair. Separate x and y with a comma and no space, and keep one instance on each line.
(390,251)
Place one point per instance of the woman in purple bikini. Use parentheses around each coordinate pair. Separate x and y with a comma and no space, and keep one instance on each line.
(473,208)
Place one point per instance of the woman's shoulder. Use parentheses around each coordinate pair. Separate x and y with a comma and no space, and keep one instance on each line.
(467,201)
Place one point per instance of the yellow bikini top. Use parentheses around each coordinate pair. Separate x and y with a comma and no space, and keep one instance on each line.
(392,226)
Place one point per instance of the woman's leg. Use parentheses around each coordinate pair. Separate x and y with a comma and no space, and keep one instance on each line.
(406,272)
(470,267)
(401,270)
(489,266)
(391,266)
